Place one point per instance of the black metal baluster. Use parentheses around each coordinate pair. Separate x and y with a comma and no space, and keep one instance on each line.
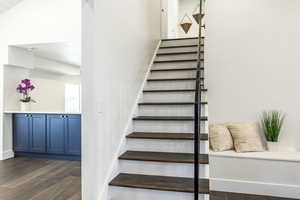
(198,110)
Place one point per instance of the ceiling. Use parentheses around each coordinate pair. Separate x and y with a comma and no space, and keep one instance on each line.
(67,52)
(7,4)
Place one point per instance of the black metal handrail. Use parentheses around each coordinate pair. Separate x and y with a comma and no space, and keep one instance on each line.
(198,110)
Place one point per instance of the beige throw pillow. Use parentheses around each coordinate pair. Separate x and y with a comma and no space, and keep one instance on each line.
(246,137)
(220,138)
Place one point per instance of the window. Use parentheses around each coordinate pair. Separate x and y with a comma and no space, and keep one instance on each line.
(72,98)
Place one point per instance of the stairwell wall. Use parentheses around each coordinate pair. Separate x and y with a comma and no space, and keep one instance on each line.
(252,62)
(119,39)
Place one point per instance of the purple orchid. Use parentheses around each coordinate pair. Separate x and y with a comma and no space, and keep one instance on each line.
(24,88)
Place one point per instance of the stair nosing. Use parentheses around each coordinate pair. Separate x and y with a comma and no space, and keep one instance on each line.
(168,118)
(164,157)
(174,39)
(166,186)
(175,69)
(179,46)
(171,103)
(175,90)
(178,53)
(173,79)
(165,136)
(175,61)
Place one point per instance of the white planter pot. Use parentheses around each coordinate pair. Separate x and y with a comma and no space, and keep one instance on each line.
(273,146)
(25,106)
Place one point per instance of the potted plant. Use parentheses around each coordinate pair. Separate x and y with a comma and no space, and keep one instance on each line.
(272,122)
(24,88)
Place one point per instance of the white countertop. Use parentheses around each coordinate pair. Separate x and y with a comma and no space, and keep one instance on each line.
(40,112)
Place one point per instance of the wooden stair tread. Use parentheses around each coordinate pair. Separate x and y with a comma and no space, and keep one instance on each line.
(175,90)
(175,61)
(163,183)
(166,136)
(188,38)
(179,46)
(163,157)
(175,69)
(173,79)
(178,53)
(171,103)
(167,118)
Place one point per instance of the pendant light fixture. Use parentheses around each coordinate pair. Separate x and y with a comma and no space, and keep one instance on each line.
(197,15)
(186,23)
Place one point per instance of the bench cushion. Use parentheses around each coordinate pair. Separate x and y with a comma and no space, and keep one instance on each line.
(220,138)
(246,137)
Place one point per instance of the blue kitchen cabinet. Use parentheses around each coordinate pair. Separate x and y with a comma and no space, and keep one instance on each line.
(37,133)
(64,134)
(73,135)
(29,133)
(21,132)
(56,134)
(47,135)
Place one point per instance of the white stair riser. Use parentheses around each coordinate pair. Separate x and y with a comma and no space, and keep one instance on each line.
(175,50)
(176,57)
(178,146)
(167,126)
(180,42)
(169,110)
(152,85)
(162,169)
(123,193)
(170,97)
(173,74)
(174,65)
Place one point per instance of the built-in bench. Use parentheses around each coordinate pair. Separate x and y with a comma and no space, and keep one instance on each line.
(263,173)
(267,155)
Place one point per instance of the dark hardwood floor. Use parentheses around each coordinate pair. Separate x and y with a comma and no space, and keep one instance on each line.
(40,179)
(233,196)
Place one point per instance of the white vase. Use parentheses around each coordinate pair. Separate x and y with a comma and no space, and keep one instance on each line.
(25,106)
(273,146)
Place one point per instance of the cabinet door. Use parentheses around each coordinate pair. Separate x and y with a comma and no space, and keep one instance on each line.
(21,132)
(56,134)
(73,135)
(37,136)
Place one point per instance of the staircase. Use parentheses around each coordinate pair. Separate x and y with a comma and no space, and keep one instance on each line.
(159,161)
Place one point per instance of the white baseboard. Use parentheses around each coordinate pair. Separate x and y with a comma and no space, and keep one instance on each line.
(7,155)
(257,188)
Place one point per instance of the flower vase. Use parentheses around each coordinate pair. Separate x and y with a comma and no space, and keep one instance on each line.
(273,146)
(25,106)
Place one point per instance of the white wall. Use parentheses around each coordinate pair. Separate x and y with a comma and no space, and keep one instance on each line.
(169,18)
(32,22)
(49,93)
(252,60)
(119,38)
